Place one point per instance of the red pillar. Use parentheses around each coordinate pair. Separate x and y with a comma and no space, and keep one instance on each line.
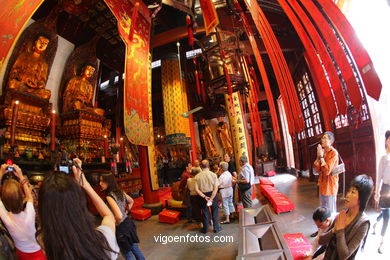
(194,153)
(151,198)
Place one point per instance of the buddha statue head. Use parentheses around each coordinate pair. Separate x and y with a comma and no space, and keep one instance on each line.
(87,70)
(41,42)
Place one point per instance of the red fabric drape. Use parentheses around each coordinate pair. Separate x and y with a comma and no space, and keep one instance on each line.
(363,61)
(323,55)
(322,86)
(263,73)
(279,65)
(338,53)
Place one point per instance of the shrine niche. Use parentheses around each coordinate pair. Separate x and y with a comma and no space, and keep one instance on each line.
(25,81)
(83,125)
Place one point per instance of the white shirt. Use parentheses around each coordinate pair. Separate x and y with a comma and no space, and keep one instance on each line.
(225,184)
(111,240)
(247,173)
(383,171)
(21,227)
(206,180)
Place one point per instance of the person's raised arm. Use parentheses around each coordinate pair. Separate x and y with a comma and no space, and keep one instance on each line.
(102,208)
(23,180)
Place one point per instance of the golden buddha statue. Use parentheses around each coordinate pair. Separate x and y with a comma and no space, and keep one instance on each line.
(207,137)
(224,136)
(79,92)
(29,72)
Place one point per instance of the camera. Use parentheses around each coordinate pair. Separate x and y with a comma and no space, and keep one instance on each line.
(66,166)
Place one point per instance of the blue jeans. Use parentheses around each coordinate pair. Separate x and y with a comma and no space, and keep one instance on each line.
(134,253)
(329,201)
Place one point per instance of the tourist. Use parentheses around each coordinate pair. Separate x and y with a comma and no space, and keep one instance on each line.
(245,181)
(382,191)
(19,219)
(351,226)
(327,159)
(68,229)
(194,197)
(120,204)
(226,192)
(207,188)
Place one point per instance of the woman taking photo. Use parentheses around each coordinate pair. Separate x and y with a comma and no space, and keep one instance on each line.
(68,229)
(19,219)
(351,226)
(382,192)
(120,203)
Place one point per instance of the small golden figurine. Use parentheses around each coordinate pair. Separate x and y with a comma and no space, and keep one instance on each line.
(30,70)
(79,92)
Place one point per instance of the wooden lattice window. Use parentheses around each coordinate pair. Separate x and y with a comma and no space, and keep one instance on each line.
(308,102)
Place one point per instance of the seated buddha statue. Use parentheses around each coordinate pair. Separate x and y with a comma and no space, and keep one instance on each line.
(79,92)
(29,72)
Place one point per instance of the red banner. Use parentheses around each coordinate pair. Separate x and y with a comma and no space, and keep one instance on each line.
(324,56)
(13,16)
(366,68)
(134,28)
(338,53)
(210,16)
(321,84)
(279,65)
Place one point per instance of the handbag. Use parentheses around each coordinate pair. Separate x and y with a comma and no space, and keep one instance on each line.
(384,201)
(338,168)
(243,187)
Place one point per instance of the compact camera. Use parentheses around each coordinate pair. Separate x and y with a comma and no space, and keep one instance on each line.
(66,166)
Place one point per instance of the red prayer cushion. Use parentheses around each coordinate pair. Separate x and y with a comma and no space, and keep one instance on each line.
(270,173)
(266,181)
(298,244)
(141,213)
(169,216)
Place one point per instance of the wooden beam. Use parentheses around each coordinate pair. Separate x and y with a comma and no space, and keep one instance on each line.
(171,36)
(179,5)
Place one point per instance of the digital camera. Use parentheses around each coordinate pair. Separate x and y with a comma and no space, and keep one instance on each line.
(66,166)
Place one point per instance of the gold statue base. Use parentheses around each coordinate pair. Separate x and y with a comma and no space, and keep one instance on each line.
(84,131)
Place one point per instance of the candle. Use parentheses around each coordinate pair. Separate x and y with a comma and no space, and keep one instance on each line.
(121,148)
(53,131)
(13,121)
(105,146)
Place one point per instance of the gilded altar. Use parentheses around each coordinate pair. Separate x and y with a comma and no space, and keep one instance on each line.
(85,131)
(33,118)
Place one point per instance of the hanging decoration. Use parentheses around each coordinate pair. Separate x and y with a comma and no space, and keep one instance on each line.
(278,62)
(363,61)
(134,28)
(210,16)
(263,73)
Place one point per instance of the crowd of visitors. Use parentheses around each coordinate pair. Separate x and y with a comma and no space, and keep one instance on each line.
(64,219)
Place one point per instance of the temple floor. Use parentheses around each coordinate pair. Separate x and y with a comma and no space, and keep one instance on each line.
(300,191)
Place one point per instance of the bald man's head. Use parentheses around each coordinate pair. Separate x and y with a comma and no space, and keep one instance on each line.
(205,164)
